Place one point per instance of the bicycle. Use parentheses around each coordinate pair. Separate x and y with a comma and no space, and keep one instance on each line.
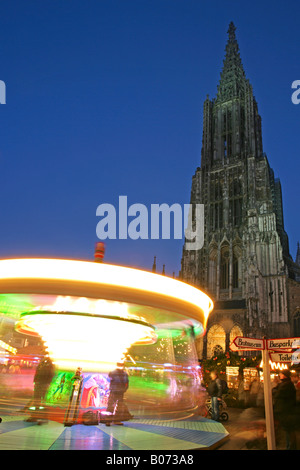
(222,406)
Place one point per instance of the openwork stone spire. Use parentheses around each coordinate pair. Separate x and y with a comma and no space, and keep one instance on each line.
(233,78)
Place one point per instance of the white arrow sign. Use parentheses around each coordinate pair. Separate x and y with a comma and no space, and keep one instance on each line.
(283,343)
(296,356)
(233,347)
(248,343)
(281,357)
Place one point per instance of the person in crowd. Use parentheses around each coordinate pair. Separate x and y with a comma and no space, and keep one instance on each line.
(297,386)
(214,390)
(254,388)
(260,400)
(241,391)
(61,384)
(298,382)
(202,397)
(118,385)
(42,379)
(284,405)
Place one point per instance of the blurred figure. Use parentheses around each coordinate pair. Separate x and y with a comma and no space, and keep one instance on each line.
(297,386)
(260,395)
(90,393)
(215,392)
(284,404)
(241,391)
(118,386)
(254,388)
(203,395)
(61,385)
(275,381)
(42,379)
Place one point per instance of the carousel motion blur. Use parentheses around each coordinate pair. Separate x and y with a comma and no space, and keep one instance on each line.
(92,317)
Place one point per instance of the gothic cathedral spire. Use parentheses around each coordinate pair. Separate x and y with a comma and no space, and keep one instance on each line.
(233,78)
(231,122)
(244,263)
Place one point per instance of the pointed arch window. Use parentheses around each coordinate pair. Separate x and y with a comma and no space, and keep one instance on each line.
(227,132)
(234,332)
(224,271)
(225,148)
(216,340)
(212,268)
(271,297)
(297,323)
(236,202)
(235,272)
(216,208)
(236,264)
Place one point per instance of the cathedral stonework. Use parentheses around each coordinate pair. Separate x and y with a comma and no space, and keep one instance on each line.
(244,264)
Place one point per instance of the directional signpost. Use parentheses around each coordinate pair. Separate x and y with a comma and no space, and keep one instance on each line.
(284,349)
(283,343)
(281,357)
(278,350)
(248,343)
(296,357)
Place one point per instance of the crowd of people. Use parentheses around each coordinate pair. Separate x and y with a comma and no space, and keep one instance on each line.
(286,401)
(286,414)
(285,392)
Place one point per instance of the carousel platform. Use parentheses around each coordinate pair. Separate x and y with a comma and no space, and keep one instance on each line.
(137,434)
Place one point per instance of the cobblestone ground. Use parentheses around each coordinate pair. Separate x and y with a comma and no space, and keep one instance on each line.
(247,431)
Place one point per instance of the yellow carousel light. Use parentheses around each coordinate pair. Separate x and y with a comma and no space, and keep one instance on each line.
(92,343)
(107,275)
(80,331)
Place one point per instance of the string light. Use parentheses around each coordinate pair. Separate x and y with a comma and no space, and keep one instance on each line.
(276,365)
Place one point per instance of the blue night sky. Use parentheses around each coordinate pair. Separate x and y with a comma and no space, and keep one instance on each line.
(104,98)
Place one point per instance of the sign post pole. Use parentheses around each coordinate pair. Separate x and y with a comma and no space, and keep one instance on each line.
(268,400)
(279,349)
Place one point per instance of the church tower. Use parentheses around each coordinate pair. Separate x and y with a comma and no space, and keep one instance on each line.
(245,262)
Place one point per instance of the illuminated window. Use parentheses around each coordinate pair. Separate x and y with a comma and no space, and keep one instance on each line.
(234,332)
(216,340)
